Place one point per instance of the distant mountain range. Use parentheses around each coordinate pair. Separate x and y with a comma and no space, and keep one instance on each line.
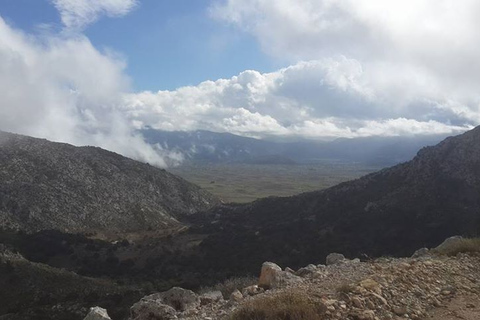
(47,185)
(206,146)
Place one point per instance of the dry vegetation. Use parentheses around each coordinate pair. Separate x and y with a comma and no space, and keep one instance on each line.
(288,305)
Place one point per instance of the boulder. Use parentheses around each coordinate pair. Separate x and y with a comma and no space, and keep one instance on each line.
(272,276)
(448,242)
(335,258)
(97,313)
(268,274)
(147,309)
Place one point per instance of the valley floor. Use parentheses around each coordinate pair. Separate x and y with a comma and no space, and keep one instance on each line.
(248,182)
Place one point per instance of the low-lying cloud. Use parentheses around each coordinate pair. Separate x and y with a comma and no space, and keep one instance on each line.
(64,89)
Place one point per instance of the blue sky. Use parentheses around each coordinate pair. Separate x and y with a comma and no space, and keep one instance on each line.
(167,44)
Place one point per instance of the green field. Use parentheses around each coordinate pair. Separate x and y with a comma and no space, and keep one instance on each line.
(248,182)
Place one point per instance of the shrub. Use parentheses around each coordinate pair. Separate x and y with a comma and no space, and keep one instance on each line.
(460,246)
(289,305)
(230,285)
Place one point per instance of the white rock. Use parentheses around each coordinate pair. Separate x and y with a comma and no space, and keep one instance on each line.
(236,296)
(97,313)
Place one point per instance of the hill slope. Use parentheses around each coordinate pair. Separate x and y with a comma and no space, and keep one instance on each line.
(46,185)
(393,212)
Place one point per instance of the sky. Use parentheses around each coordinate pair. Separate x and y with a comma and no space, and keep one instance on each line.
(94,72)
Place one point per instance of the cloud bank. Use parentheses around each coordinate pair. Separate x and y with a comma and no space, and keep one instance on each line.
(319,99)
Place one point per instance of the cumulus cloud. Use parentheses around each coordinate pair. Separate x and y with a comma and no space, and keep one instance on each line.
(64,89)
(316,99)
(77,14)
(357,67)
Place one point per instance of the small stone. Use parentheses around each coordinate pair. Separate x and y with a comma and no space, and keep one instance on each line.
(436,302)
(236,296)
(252,291)
(366,315)
(289,270)
(370,305)
(399,311)
(357,302)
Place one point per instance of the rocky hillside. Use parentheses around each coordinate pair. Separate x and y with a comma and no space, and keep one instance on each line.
(46,185)
(391,212)
(427,285)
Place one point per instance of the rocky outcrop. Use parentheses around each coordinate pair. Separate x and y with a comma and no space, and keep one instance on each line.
(47,185)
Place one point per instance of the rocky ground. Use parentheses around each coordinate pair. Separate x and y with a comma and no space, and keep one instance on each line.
(427,286)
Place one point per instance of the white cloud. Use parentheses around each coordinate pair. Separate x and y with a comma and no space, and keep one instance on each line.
(66,90)
(77,14)
(317,99)
(370,67)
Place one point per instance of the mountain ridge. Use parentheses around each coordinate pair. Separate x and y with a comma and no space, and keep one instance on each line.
(48,185)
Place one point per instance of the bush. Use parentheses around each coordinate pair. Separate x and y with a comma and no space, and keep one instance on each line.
(290,305)
(230,285)
(460,246)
